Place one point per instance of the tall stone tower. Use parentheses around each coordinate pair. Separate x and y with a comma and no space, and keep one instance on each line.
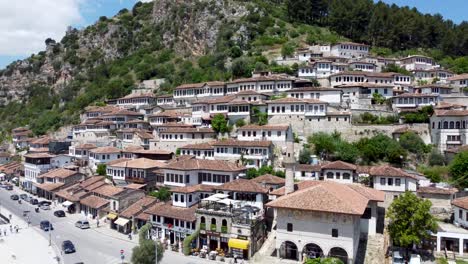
(289,163)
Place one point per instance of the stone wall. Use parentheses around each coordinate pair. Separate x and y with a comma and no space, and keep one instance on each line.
(359,131)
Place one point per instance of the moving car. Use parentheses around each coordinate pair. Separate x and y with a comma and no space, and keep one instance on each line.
(68,247)
(14,197)
(83,224)
(59,213)
(46,225)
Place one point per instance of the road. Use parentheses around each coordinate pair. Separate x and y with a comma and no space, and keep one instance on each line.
(91,246)
(94,245)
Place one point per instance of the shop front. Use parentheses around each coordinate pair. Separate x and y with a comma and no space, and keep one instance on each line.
(239,247)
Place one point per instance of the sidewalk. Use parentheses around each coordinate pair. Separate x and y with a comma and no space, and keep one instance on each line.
(26,246)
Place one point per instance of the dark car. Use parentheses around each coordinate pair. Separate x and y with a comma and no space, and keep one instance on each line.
(68,247)
(23,196)
(9,188)
(59,213)
(44,202)
(34,201)
(14,197)
(46,225)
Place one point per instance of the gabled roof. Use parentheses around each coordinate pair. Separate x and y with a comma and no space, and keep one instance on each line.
(451,112)
(199,85)
(167,210)
(106,150)
(141,163)
(108,190)
(138,207)
(461,202)
(194,188)
(269,179)
(264,127)
(199,146)
(389,171)
(292,100)
(242,185)
(58,173)
(458,77)
(94,201)
(331,197)
(339,165)
(436,190)
(308,167)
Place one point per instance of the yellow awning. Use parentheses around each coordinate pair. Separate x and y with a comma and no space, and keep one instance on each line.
(238,243)
(111,216)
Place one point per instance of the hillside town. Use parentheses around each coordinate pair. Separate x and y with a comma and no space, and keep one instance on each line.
(183,162)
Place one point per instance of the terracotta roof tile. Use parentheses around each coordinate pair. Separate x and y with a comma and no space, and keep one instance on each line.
(49,186)
(326,196)
(339,165)
(264,127)
(451,112)
(199,85)
(108,190)
(194,188)
(436,190)
(39,155)
(105,150)
(269,179)
(138,207)
(389,171)
(297,187)
(85,146)
(308,167)
(58,173)
(203,146)
(94,201)
(242,185)
(461,202)
(167,210)
(141,163)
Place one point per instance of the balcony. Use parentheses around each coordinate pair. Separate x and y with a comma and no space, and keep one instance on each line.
(213,228)
(136,180)
(202,226)
(224,229)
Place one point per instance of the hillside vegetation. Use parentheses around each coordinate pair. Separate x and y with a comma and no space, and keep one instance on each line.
(194,41)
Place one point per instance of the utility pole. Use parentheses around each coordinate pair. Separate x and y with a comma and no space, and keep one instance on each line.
(155,246)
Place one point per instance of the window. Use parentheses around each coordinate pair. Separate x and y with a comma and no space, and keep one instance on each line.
(346,176)
(329,175)
(289,227)
(460,214)
(390,181)
(176,197)
(334,232)
(367,213)
(190,198)
(382,181)
(182,198)
(397,182)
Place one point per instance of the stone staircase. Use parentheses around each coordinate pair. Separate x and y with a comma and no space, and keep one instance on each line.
(371,250)
(264,254)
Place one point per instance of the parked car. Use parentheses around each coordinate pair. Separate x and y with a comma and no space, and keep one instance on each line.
(83,224)
(68,247)
(14,197)
(34,201)
(46,225)
(397,257)
(28,198)
(44,202)
(23,196)
(44,207)
(9,187)
(415,259)
(59,213)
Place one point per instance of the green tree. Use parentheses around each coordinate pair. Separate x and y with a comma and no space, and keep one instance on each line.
(459,169)
(145,253)
(413,143)
(241,67)
(287,49)
(101,169)
(436,159)
(240,123)
(324,144)
(346,152)
(410,220)
(304,156)
(324,261)
(163,194)
(219,124)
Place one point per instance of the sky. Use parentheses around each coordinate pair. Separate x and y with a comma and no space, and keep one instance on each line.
(25,24)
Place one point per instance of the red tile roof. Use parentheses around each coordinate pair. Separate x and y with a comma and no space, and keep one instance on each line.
(242,185)
(461,202)
(339,165)
(389,171)
(264,127)
(269,179)
(198,164)
(94,201)
(58,173)
(194,188)
(241,143)
(167,210)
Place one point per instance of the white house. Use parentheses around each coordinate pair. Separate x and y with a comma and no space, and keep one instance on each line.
(274,133)
(339,171)
(324,219)
(185,94)
(349,50)
(294,106)
(34,165)
(200,150)
(459,81)
(414,100)
(417,62)
(393,181)
(325,94)
(255,153)
(102,155)
(136,100)
(432,74)
(176,137)
(449,128)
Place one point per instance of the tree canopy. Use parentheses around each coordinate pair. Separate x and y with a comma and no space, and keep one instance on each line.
(144,253)
(410,220)
(163,194)
(219,124)
(459,169)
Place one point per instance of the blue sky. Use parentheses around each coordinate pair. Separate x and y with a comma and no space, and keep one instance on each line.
(22,35)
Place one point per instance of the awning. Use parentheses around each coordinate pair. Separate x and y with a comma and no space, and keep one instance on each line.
(121,221)
(67,203)
(111,216)
(238,243)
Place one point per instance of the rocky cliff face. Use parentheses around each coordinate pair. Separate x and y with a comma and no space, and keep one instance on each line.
(193,26)
(188,27)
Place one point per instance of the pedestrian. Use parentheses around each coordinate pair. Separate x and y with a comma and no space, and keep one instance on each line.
(4,231)
(11,229)
(130,236)
(97,223)
(17,228)
(10,216)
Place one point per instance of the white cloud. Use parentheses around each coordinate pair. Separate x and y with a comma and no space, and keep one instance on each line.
(25,24)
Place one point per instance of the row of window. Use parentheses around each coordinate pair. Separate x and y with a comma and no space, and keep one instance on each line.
(450,125)
(454,138)
(206,153)
(389,181)
(354,47)
(177,222)
(135,101)
(254,133)
(301,95)
(289,228)
(217,178)
(178,178)
(182,198)
(298,108)
(410,100)
(337,175)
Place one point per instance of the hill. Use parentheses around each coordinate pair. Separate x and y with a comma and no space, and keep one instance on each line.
(191,41)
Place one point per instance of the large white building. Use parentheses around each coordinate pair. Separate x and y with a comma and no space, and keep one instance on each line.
(393,181)
(449,128)
(349,50)
(324,219)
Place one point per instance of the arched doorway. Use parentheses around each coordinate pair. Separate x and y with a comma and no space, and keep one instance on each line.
(288,250)
(339,253)
(313,251)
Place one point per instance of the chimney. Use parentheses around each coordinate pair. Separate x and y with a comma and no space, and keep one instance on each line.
(289,164)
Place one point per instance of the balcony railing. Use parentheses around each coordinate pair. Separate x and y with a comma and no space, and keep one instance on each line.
(213,228)
(224,229)
(202,226)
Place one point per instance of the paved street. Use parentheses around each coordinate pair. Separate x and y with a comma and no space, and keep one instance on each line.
(95,245)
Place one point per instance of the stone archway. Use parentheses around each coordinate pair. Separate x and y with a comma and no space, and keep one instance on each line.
(339,253)
(289,250)
(313,251)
